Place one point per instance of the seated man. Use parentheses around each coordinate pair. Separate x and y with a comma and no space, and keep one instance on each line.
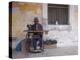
(37,36)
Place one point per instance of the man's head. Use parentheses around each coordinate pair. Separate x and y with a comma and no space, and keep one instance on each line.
(36,21)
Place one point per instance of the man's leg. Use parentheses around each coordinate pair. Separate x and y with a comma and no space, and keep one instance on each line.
(34,43)
(40,42)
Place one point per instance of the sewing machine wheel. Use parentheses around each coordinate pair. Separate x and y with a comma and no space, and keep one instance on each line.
(36,51)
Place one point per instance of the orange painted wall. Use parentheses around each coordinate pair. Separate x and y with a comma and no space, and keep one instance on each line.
(23,14)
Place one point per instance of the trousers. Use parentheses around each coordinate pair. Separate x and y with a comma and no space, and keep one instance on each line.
(36,39)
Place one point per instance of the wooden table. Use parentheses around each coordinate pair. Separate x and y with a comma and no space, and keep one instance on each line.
(46,31)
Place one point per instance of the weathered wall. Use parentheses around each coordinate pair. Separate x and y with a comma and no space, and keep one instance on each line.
(23,14)
(66,35)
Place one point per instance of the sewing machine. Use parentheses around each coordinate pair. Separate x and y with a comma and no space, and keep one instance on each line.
(29,40)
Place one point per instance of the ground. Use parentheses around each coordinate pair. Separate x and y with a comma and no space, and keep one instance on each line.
(48,52)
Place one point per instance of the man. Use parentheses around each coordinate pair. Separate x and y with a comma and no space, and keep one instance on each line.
(37,36)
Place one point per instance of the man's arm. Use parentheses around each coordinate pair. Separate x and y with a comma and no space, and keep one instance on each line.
(41,27)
